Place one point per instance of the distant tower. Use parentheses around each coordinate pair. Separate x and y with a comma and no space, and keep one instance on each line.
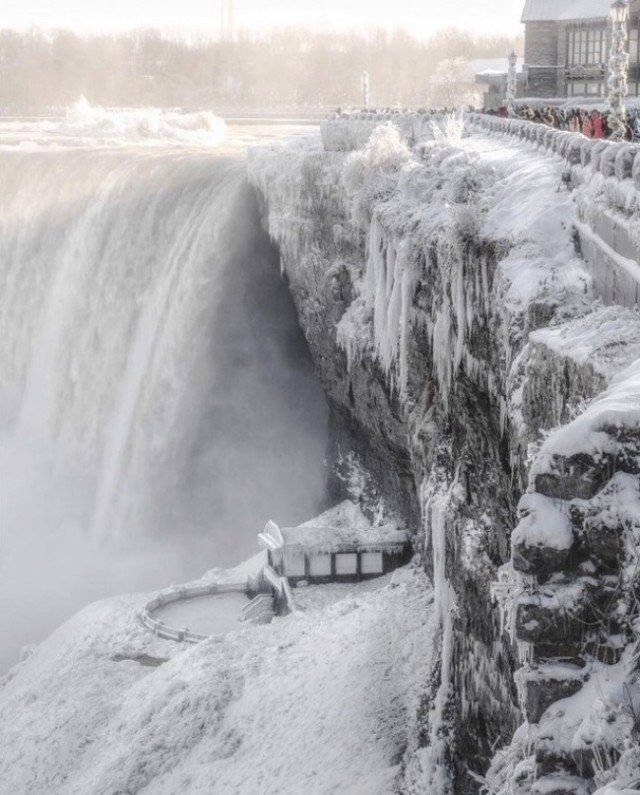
(227,20)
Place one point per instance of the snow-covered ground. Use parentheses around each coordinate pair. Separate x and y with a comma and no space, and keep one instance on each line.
(323,701)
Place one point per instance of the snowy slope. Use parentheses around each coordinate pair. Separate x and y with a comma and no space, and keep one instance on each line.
(322,701)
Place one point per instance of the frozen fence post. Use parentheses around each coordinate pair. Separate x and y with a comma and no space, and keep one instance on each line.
(511,85)
(365,90)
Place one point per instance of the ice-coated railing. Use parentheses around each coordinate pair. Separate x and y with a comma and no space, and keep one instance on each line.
(174,594)
(607,174)
(282,591)
(610,158)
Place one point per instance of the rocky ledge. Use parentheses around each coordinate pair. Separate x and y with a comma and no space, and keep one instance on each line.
(464,356)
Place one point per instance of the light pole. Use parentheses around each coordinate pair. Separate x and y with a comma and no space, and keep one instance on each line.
(618,68)
(511,84)
(365,90)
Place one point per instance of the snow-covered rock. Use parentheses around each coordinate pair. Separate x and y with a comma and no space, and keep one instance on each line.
(321,701)
(455,328)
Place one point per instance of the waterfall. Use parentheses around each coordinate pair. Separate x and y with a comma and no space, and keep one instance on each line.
(157,400)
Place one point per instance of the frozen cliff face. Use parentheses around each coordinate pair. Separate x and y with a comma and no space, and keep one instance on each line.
(452,325)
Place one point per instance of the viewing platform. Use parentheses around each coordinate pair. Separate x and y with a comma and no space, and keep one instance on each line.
(315,555)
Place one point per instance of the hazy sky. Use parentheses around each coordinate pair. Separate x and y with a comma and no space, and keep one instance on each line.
(421,17)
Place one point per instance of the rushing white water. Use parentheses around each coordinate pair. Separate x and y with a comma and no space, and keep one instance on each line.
(157,402)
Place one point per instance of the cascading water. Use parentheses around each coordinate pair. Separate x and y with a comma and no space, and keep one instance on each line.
(157,401)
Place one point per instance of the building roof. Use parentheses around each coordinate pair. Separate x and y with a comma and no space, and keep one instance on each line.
(494,66)
(346,530)
(336,539)
(565,10)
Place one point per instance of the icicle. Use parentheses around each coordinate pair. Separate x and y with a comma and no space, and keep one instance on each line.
(441,351)
(460,309)
(408,290)
(436,503)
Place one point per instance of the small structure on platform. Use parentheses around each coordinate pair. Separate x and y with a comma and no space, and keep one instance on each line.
(334,554)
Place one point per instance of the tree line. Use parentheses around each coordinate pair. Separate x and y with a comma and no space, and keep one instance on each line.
(44,71)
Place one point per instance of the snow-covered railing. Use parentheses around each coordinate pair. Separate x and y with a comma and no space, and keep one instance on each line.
(607,176)
(260,607)
(610,158)
(282,591)
(183,635)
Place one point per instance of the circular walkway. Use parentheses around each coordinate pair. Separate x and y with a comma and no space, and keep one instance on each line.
(206,615)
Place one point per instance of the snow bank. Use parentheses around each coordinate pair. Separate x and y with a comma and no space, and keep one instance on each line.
(320,702)
(544,523)
(593,432)
(607,339)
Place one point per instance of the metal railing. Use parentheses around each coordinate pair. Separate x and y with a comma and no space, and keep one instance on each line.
(183,635)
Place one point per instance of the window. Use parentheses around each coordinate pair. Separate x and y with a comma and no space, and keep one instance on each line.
(371,563)
(587,47)
(294,565)
(346,563)
(582,88)
(320,566)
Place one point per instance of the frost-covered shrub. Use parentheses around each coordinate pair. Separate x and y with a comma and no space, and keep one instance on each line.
(353,173)
(462,185)
(371,174)
(467,222)
(386,150)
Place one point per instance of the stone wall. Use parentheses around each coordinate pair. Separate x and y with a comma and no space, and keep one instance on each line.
(605,176)
(542,60)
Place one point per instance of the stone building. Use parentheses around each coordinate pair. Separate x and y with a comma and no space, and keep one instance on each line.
(491,75)
(566,47)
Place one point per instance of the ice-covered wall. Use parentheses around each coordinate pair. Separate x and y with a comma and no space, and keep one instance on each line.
(344,131)
(454,327)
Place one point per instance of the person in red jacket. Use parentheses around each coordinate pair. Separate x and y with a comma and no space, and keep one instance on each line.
(597,125)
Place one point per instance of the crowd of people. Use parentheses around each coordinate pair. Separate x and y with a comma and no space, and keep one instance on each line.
(592,123)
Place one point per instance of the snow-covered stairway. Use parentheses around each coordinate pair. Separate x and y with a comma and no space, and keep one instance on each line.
(260,610)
